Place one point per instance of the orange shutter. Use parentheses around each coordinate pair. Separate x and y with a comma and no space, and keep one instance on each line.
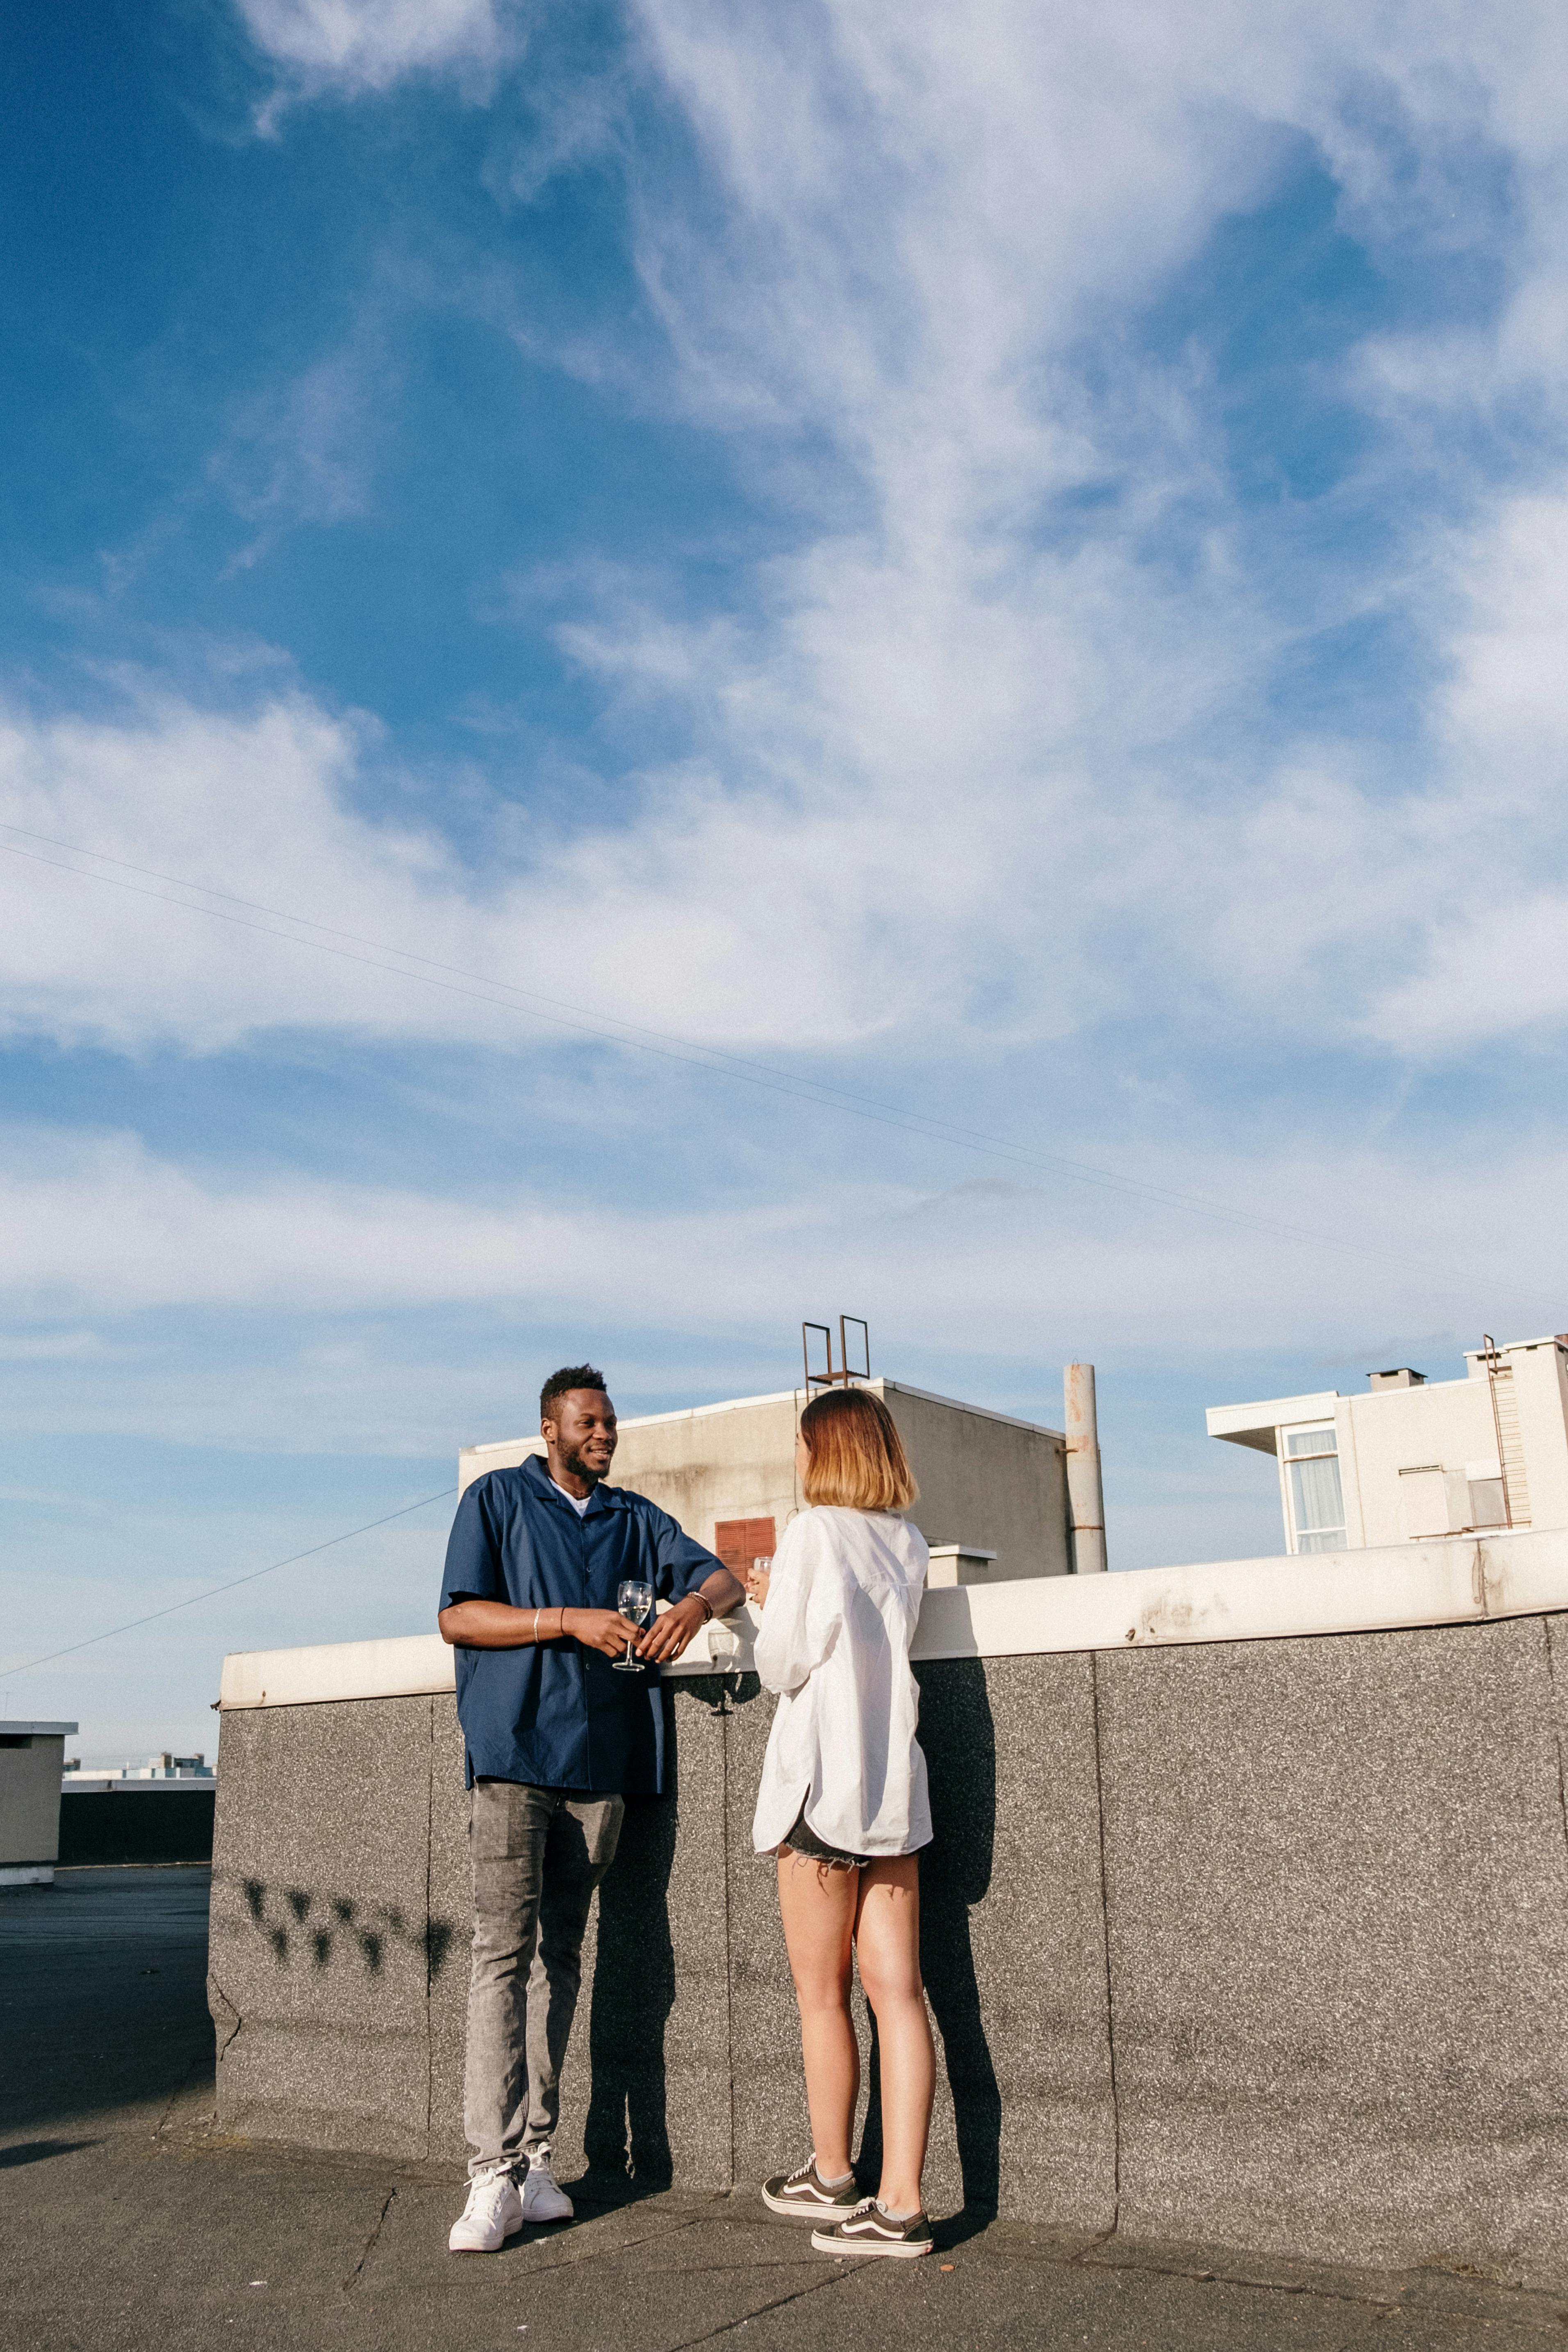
(739,1542)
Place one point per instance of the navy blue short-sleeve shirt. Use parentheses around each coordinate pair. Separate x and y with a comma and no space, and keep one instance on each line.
(553,1713)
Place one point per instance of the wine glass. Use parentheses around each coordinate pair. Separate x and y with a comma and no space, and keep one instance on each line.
(634,1602)
(757,1583)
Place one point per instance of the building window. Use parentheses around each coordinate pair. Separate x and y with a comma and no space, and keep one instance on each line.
(1314,1503)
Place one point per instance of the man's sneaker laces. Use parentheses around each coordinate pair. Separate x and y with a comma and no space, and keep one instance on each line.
(484,2223)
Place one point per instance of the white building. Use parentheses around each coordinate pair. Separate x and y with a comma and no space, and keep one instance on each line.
(1414,1457)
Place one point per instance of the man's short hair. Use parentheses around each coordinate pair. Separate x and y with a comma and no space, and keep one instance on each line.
(561,1383)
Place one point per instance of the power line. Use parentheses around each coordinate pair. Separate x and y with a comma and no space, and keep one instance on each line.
(212,1592)
(506,996)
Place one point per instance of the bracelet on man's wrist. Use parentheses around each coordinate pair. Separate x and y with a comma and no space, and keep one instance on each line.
(707,1605)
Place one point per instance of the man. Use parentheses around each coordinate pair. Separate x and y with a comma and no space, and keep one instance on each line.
(555,1740)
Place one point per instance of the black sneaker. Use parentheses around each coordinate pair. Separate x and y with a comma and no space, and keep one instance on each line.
(869,2230)
(805,2197)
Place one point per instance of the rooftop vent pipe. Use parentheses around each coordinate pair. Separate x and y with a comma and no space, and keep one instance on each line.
(1086,1502)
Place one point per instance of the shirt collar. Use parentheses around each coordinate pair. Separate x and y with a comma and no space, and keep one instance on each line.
(606,1498)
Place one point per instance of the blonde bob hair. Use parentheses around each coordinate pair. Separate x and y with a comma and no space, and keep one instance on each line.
(858,1457)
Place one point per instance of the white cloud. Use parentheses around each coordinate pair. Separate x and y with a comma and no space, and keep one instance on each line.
(721,917)
(99,1228)
(306,451)
(982,765)
(367,45)
(1489,846)
(935,237)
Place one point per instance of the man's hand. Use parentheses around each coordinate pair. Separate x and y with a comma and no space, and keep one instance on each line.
(599,1629)
(667,1636)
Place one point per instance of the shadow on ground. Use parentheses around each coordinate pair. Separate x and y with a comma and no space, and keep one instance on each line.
(104,1999)
(154,2234)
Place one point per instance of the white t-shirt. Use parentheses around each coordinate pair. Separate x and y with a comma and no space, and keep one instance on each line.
(578,1502)
(843,1598)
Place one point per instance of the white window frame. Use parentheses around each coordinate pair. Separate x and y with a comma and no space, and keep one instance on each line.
(1329,1429)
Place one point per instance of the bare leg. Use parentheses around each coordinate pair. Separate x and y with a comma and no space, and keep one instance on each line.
(888,1947)
(817,1906)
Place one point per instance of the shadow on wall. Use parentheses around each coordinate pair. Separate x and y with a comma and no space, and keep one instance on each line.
(959,1738)
(625,2139)
(301,1923)
(960,1742)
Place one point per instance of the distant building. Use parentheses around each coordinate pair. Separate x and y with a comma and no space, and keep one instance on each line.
(164,1766)
(992,1503)
(30,1757)
(1415,1458)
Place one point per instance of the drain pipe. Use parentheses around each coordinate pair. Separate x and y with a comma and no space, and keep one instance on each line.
(1086,1502)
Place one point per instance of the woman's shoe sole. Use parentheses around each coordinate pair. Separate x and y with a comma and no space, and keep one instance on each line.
(815,2214)
(828,2244)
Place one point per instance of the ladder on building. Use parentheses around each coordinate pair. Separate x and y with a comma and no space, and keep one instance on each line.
(1510,1445)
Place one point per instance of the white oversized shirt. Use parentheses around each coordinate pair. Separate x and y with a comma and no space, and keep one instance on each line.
(843,1598)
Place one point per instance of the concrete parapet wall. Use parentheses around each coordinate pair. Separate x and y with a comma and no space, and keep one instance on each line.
(1262,1942)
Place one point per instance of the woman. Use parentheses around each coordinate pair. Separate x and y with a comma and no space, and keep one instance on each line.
(843,1805)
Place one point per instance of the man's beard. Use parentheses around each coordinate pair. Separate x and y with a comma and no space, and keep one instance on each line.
(581,1469)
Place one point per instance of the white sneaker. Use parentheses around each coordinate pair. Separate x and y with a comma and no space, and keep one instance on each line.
(493,2210)
(543,2199)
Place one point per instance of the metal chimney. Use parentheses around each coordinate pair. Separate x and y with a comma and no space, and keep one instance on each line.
(1086,1501)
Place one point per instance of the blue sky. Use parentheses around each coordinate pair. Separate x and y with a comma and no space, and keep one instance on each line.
(698,666)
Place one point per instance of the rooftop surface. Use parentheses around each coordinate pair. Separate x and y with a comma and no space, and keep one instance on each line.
(129,2223)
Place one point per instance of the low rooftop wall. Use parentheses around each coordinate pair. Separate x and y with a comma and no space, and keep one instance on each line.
(1246,1918)
(137,1821)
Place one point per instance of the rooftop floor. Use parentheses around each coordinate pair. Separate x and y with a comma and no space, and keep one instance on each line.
(129,2224)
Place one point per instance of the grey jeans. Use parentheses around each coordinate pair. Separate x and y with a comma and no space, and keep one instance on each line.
(537,1856)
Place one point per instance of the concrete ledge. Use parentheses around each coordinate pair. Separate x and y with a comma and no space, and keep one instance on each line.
(1450,1580)
(407,1667)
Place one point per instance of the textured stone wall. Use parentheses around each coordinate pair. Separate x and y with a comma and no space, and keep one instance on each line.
(1263,1943)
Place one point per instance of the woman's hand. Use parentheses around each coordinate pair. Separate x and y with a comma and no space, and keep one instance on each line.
(757,1580)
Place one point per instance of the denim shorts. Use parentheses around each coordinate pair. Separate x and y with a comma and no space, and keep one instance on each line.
(804,1841)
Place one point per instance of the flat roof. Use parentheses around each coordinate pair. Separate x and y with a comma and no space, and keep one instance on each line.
(790,1396)
(1255,1425)
(50,1729)
(1507,1347)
